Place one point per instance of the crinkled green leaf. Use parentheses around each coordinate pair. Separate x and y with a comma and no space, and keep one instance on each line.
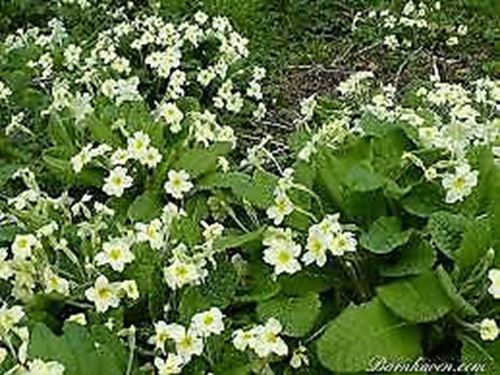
(446,231)
(384,235)
(297,314)
(416,299)
(76,350)
(415,257)
(361,333)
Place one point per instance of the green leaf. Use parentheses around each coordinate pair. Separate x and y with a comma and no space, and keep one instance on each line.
(307,281)
(296,314)
(145,207)
(257,285)
(416,299)
(361,333)
(423,200)
(446,231)
(257,190)
(75,350)
(362,178)
(199,161)
(237,241)
(384,235)
(415,257)
(483,354)
(460,304)
(476,241)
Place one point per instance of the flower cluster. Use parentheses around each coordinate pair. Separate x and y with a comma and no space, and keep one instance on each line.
(283,253)
(412,26)
(188,342)
(264,340)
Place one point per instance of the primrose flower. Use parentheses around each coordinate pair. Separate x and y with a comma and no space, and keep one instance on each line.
(180,273)
(81,159)
(208,322)
(268,341)
(9,317)
(343,242)
(283,256)
(494,288)
(151,158)
(78,319)
(5,92)
(459,184)
(178,184)
(39,367)
(116,253)
(172,365)
(103,294)
(317,245)
(282,207)
(488,330)
(152,232)
(117,181)
(55,283)
(23,245)
(137,145)
(172,116)
(187,342)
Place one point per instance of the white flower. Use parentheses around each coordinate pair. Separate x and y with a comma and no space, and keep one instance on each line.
(172,115)
(187,342)
(181,273)
(152,232)
(39,367)
(6,270)
(163,332)
(129,287)
(81,159)
(54,283)
(243,339)
(151,158)
(452,41)
(72,56)
(200,17)
(268,341)
(283,256)
(23,245)
(317,244)
(172,365)
(212,231)
(120,157)
(391,41)
(299,357)
(178,183)
(103,294)
(282,207)
(343,242)
(208,322)
(5,92)
(460,184)
(78,319)
(9,317)
(488,330)
(116,253)
(117,181)
(494,288)
(138,145)
(205,76)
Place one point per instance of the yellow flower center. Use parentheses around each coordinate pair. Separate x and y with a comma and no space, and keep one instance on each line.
(459,183)
(117,180)
(208,320)
(115,253)
(284,257)
(104,293)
